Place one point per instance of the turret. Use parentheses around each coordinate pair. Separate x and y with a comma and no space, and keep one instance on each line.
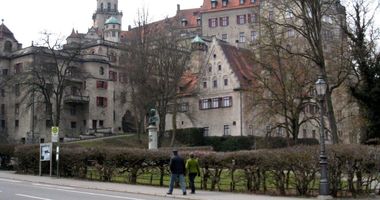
(112,28)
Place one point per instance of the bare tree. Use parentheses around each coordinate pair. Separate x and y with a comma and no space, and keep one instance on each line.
(315,22)
(283,87)
(365,63)
(50,75)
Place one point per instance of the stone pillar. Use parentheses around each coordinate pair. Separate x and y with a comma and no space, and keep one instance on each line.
(153,139)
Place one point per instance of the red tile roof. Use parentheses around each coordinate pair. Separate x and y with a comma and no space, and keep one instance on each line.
(191,15)
(232,4)
(242,63)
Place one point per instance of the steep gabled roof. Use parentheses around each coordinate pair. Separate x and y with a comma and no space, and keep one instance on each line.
(231,4)
(5,32)
(190,15)
(241,62)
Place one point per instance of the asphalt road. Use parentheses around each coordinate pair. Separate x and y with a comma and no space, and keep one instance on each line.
(22,190)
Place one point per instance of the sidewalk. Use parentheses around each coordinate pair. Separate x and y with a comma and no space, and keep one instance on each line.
(140,189)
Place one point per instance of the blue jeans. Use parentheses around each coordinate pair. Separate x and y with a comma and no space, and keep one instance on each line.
(174,178)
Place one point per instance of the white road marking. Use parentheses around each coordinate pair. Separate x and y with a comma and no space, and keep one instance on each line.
(9,180)
(96,194)
(32,197)
(53,186)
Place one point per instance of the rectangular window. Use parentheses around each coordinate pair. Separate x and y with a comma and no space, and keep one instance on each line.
(314,134)
(3,124)
(73,125)
(48,123)
(288,13)
(215,83)
(271,16)
(204,84)
(279,131)
(224,3)
(224,21)
(113,75)
(2,109)
(254,18)
(16,123)
(205,131)
(226,130)
(101,123)
(2,92)
(204,104)
(101,84)
(18,68)
(17,90)
(241,19)
(5,72)
(253,36)
(224,37)
(253,1)
(242,2)
(213,22)
(101,101)
(183,107)
(215,103)
(227,102)
(291,32)
(225,82)
(304,131)
(241,37)
(73,110)
(17,109)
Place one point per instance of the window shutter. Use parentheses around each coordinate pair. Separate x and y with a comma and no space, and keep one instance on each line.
(200,105)
(237,19)
(97,84)
(216,22)
(230,101)
(115,76)
(245,19)
(221,21)
(105,85)
(249,18)
(97,101)
(105,102)
(228,21)
(209,22)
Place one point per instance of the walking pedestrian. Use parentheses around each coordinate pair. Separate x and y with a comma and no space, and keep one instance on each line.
(192,167)
(177,169)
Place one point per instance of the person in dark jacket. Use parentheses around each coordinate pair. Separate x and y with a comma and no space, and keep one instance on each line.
(177,169)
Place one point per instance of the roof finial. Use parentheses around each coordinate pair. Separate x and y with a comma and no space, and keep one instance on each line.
(2,21)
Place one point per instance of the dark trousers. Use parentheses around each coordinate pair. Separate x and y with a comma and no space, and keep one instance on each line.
(191,180)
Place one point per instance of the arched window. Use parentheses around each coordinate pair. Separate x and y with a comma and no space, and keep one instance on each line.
(101,70)
(8,46)
(109,6)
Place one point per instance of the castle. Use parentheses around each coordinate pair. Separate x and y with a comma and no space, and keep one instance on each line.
(213,96)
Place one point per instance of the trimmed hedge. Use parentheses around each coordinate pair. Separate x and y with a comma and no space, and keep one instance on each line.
(6,153)
(353,169)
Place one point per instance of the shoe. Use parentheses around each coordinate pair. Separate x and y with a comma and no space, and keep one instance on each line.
(192,192)
(169,193)
(184,193)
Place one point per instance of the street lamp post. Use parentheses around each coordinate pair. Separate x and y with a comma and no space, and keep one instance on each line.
(321,88)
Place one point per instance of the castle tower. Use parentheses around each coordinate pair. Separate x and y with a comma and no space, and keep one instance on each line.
(105,10)
(198,54)
(112,28)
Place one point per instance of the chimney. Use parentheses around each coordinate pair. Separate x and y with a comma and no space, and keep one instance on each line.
(178,8)
(129,27)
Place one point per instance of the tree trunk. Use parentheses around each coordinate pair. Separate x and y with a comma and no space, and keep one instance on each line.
(174,122)
(331,118)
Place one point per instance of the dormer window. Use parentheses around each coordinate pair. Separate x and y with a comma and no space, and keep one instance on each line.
(242,2)
(199,21)
(214,3)
(253,1)
(224,3)
(184,22)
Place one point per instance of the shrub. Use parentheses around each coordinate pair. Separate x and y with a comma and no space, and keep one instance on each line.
(6,153)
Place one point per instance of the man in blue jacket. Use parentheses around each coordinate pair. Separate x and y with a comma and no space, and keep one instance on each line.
(177,169)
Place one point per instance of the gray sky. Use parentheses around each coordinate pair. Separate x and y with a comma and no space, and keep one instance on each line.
(28,18)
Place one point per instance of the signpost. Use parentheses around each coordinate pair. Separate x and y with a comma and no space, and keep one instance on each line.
(55,138)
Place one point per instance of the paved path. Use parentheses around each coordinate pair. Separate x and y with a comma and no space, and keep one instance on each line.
(140,189)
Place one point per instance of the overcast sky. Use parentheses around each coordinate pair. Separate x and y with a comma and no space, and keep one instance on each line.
(28,18)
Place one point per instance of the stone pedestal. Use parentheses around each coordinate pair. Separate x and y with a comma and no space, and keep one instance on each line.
(153,137)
